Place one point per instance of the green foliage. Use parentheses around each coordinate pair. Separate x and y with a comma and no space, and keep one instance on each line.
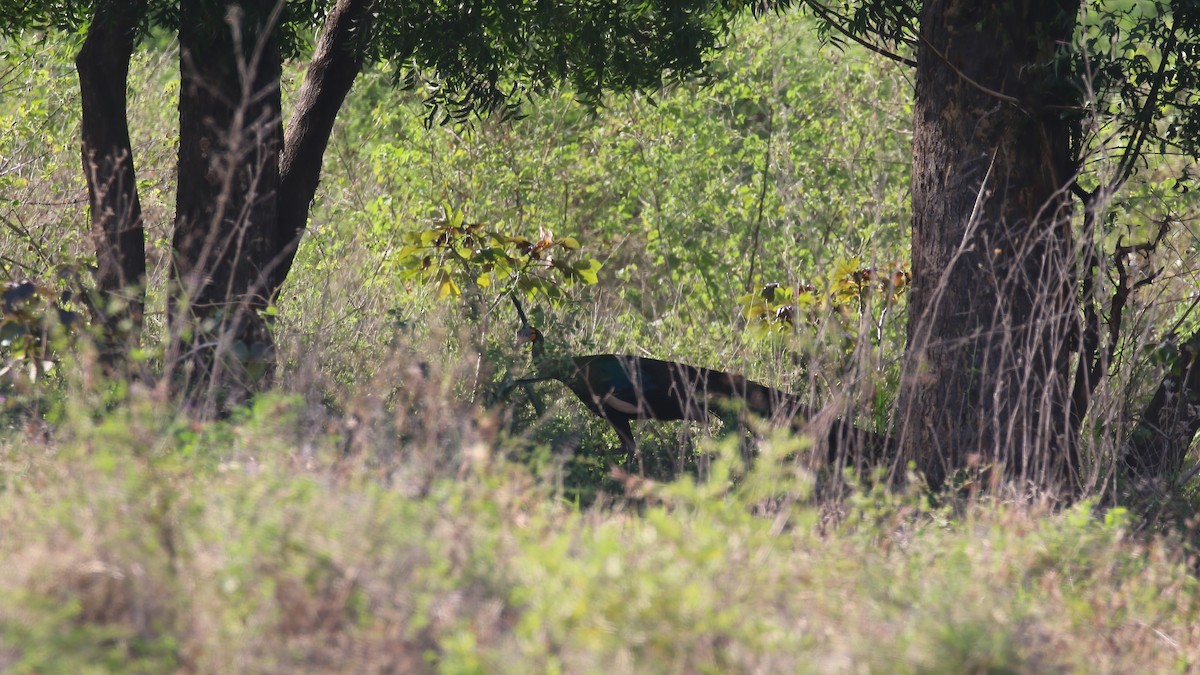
(1127,83)
(452,254)
(39,160)
(483,58)
(479,58)
(664,193)
(1136,57)
(668,194)
(375,521)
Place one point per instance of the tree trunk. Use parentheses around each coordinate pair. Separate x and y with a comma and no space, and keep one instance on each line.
(1165,431)
(230,133)
(115,212)
(245,189)
(993,312)
(335,64)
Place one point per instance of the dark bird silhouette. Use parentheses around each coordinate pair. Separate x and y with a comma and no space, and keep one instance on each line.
(620,387)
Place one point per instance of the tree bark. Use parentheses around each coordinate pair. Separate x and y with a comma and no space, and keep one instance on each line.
(993,311)
(335,64)
(115,211)
(230,133)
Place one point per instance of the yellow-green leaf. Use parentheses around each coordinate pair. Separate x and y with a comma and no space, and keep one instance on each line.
(447,288)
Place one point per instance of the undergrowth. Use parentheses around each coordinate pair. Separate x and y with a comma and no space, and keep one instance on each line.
(140,541)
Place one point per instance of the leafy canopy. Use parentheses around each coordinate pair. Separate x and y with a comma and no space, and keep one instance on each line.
(483,57)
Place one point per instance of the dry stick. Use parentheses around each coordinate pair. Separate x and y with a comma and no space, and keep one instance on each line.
(1081,398)
(924,336)
(762,196)
(1090,361)
(23,232)
(1073,460)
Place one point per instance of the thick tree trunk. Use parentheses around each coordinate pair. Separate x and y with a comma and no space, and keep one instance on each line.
(245,189)
(230,134)
(335,64)
(116,213)
(1167,427)
(993,309)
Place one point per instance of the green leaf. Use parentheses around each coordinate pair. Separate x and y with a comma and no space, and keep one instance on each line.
(408,250)
(588,269)
(448,289)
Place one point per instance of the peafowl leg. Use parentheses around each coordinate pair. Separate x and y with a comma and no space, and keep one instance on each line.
(620,424)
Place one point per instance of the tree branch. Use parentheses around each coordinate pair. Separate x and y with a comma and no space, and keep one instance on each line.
(1159,443)
(828,16)
(1144,118)
(1123,288)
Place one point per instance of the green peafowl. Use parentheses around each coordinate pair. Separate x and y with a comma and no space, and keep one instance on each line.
(619,388)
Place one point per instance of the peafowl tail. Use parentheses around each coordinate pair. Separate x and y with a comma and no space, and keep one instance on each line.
(764,401)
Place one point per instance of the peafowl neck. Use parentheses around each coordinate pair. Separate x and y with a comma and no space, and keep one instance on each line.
(550,366)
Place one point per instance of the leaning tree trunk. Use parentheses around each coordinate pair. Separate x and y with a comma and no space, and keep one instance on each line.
(230,134)
(1168,425)
(335,64)
(116,213)
(993,310)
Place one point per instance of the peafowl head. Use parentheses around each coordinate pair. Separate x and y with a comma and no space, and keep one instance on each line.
(528,335)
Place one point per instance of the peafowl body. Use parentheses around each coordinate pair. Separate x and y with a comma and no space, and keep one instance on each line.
(620,388)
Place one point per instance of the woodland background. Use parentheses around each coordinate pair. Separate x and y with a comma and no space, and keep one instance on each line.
(379,508)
